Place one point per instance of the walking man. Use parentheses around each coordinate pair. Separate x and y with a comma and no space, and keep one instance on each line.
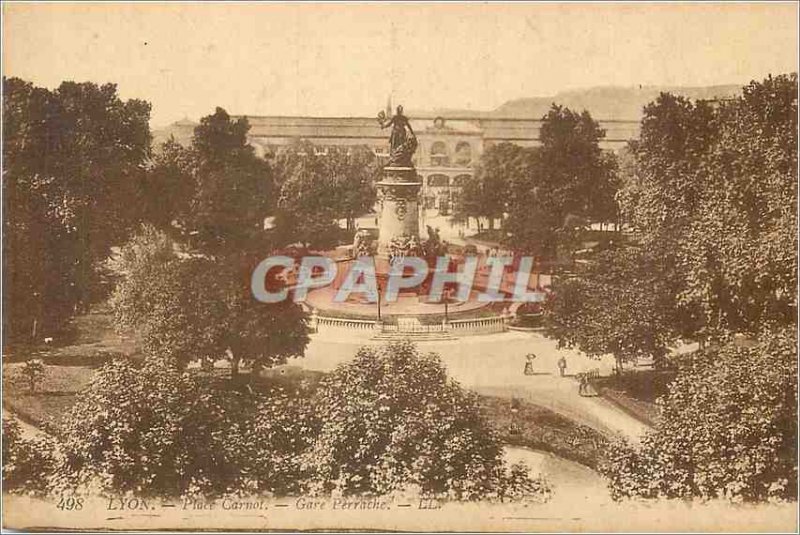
(583,386)
(562,366)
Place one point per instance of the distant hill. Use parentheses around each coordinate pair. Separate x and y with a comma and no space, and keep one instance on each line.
(607,102)
(181,131)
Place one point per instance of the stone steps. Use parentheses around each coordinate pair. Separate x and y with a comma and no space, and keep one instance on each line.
(421,336)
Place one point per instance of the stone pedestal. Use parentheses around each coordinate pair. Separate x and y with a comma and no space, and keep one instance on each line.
(398,196)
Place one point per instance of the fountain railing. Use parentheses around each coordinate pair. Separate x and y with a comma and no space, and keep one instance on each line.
(340,323)
(468,326)
(484,325)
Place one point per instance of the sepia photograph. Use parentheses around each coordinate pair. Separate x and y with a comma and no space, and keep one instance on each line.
(400,267)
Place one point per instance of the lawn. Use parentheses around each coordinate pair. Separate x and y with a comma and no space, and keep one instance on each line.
(53,398)
(89,340)
(524,424)
(636,392)
(86,343)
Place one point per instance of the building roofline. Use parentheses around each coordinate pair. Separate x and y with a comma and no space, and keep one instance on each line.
(428,117)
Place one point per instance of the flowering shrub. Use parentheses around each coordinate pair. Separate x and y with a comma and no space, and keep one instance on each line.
(156,430)
(282,428)
(391,419)
(728,430)
(26,463)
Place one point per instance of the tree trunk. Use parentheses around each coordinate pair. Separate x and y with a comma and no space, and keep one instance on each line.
(235,359)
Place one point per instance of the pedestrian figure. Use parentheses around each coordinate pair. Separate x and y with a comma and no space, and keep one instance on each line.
(583,387)
(529,368)
(562,366)
(529,363)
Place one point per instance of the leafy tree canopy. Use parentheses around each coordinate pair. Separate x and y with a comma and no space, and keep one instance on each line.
(392,420)
(317,188)
(567,178)
(728,429)
(623,303)
(74,159)
(713,191)
(188,307)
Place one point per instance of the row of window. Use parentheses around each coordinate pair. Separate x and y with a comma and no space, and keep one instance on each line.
(440,156)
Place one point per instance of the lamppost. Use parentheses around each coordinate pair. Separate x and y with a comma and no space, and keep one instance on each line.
(447,293)
(379,302)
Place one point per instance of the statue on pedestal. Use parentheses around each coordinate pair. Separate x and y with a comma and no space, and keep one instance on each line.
(402,140)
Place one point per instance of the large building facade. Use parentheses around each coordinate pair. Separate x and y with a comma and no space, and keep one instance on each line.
(448,150)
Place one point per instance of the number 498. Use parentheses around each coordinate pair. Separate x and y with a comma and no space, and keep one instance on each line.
(70,503)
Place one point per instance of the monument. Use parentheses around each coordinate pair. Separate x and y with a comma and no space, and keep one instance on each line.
(398,207)
(398,192)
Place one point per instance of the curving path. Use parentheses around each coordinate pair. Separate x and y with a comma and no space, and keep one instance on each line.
(568,480)
(494,364)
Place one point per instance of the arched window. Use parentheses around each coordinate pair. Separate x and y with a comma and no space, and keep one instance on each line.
(438,181)
(463,155)
(458,181)
(439,156)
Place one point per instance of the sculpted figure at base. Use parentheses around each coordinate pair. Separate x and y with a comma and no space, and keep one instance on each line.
(361,244)
(403,246)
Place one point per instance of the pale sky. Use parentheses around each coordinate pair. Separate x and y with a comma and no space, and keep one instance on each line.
(345,59)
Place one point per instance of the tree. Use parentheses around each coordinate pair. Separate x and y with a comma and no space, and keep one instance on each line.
(33,371)
(531,224)
(138,263)
(728,429)
(27,463)
(185,316)
(192,307)
(73,162)
(156,431)
(568,176)
(484,194)
(623,303)
(169,187)
(233,188)
(675,134)
(739,249)
(714,192)
(391,419)
(319,187)
(353,172)
(574,169)
(260,334)
(304,214)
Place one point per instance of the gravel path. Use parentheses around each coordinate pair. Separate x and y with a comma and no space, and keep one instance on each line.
(494,365)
